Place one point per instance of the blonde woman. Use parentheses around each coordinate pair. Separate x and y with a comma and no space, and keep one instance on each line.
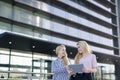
(60,65)
(85,57)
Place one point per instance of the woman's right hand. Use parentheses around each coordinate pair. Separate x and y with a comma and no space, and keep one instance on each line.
(70,70)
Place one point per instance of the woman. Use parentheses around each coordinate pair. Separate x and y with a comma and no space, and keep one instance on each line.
(60,65)
(85,57)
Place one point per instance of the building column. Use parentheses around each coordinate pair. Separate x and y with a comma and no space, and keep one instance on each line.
(117,64)
(117,71)
(118,21)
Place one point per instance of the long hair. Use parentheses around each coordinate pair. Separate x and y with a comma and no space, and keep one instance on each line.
(85,48)
(65,58)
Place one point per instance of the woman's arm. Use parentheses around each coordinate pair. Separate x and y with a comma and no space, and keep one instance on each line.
(94,64)
(93,70)
(89,70)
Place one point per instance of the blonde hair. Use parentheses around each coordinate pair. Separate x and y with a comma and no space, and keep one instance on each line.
(65,58)
(85,48)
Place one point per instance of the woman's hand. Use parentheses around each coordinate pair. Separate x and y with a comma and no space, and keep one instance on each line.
(69,70)
(87,70)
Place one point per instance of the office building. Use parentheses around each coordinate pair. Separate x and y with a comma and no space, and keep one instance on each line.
(30,30)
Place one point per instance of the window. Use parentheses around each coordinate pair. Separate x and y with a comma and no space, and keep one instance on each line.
(105,72)
(4,59)
(23,15)
(5,27)
(4,56)
(5,10)
(18,58)
(23,30)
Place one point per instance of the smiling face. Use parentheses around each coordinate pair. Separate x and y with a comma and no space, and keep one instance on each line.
(61,51)
(80,48)
(83,47)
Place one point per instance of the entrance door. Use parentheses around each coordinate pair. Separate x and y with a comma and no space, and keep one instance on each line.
(42,66)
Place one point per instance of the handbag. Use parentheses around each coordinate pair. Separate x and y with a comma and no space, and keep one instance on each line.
(72,77)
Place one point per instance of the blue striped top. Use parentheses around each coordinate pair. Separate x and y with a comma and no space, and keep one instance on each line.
(59,70)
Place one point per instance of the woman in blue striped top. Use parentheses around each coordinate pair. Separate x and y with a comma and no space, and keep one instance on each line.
(60,65)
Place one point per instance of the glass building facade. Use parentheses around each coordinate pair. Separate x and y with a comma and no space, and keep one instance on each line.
(31,22)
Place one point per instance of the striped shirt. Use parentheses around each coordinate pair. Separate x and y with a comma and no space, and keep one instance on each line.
(59,70)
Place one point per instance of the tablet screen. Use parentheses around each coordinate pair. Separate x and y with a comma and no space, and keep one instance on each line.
(77,68)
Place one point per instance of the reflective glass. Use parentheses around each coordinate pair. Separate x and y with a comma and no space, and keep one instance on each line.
(105,72)
(46,23)
(101,50)
(5,10)
(37,20)
(78,19)
(22,30)
(4,27)
(19,60)
(98,4)
(86,10)
(4,59)
(4,56)
(4,51)
(3,75)
(23,15)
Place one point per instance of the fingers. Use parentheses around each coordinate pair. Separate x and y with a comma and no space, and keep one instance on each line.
(70,70)
(86,70)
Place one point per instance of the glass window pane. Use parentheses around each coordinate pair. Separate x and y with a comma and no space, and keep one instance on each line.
(3,75)
(21,60)
(41,56)
(46,23)
(4,51)
(4,59)
(23,30)
(23,15)
(37,20)
(5,10)
(105,70)
(4,27)
(22,53)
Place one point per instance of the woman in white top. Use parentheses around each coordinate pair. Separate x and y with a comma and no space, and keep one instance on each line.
(85,57)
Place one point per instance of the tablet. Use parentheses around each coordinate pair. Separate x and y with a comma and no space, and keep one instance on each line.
(77,68)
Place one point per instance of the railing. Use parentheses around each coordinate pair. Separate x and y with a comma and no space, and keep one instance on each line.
(28,76)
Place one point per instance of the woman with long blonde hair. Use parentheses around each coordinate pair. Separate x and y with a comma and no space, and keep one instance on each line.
(85,57)
(60,65)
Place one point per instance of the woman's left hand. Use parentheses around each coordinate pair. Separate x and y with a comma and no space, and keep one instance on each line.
(86,70)
(69,70)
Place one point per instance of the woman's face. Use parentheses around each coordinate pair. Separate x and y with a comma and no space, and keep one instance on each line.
(62,52)
(80,49)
